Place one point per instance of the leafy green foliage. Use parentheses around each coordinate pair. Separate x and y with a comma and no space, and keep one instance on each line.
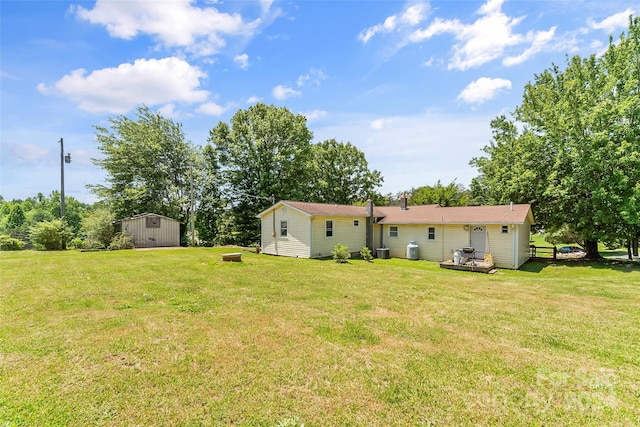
(577,157)
(366,254)
(77,243)
(50,235)
(452,194)
(8,243)
(16,217)
(211,206)
(265,155)
(341,253)
(147,162)
(341,174)
(98,228)
(121,241)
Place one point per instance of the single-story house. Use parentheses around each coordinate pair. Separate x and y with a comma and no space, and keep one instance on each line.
(311,230)
(150,230)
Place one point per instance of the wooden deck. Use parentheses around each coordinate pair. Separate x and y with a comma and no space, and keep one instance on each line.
(477,266)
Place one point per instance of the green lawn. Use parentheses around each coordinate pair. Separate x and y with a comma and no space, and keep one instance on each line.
(176,337)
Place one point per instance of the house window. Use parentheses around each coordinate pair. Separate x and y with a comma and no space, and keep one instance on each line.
(284,228)
(328,228)
(393,231)
(153,222)
(431,233)
(505,229)
(356,223)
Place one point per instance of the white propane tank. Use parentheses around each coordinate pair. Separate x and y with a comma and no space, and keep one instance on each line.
(412,251)
(456,258)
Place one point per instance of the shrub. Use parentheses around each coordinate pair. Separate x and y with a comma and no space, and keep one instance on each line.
(341,253)
(50,235)
(366,254)
(121,241)
(94,244)
(8,243)
(76,243)
(98,228)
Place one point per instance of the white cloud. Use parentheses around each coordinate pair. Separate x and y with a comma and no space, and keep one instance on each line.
(486,39)
(176,23)
(613,22)
(242,61)
(408,150)
(282,92)
(168,110)
(211,109)
(314,76)
(483,89)
(118,90)
(539,41)
(314,115)
(253,99)
(380,124)
(412,15)
(29,153)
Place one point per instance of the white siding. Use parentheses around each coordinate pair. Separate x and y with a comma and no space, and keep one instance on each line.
(427,249)
(524,235)
(455,237)
(344,233)
(500,245)
(296,243)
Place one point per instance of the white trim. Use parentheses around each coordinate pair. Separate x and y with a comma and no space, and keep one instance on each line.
(280,236)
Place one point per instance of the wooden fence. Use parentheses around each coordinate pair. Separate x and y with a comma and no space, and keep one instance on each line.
(548,252)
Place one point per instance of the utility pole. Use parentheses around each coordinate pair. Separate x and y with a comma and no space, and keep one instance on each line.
(62,178)
(63,159)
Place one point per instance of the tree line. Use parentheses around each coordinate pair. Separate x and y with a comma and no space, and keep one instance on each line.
(571,149)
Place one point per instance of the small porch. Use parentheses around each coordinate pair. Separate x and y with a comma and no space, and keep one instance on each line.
(475,265)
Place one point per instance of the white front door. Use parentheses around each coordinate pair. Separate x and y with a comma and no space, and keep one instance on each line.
(479,240)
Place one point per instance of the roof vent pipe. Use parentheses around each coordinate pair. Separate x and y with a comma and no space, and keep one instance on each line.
(511,206)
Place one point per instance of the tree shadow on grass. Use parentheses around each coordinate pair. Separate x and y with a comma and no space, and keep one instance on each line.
(624,266)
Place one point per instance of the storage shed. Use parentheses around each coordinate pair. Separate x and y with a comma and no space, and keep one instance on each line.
(150,230)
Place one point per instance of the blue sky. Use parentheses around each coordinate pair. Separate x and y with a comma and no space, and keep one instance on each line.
(413,84)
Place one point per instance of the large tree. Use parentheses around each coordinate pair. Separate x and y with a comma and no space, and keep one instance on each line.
(341,174)
(148,162)
(573,149)
(452,194)
(264,155)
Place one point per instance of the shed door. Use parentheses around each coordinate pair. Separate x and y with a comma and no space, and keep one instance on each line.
(479,240)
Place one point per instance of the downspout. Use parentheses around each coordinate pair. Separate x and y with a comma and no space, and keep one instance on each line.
(442,244)
(369,230)
(311,236)
(515,246)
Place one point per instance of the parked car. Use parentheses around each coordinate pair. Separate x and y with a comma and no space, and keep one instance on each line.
(570,250)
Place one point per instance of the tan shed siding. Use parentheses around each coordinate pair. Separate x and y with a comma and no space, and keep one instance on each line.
(523,242)
(168,234)
(500,245)
(296,244)
(344,233)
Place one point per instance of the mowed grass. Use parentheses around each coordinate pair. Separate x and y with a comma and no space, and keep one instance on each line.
(177,337)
